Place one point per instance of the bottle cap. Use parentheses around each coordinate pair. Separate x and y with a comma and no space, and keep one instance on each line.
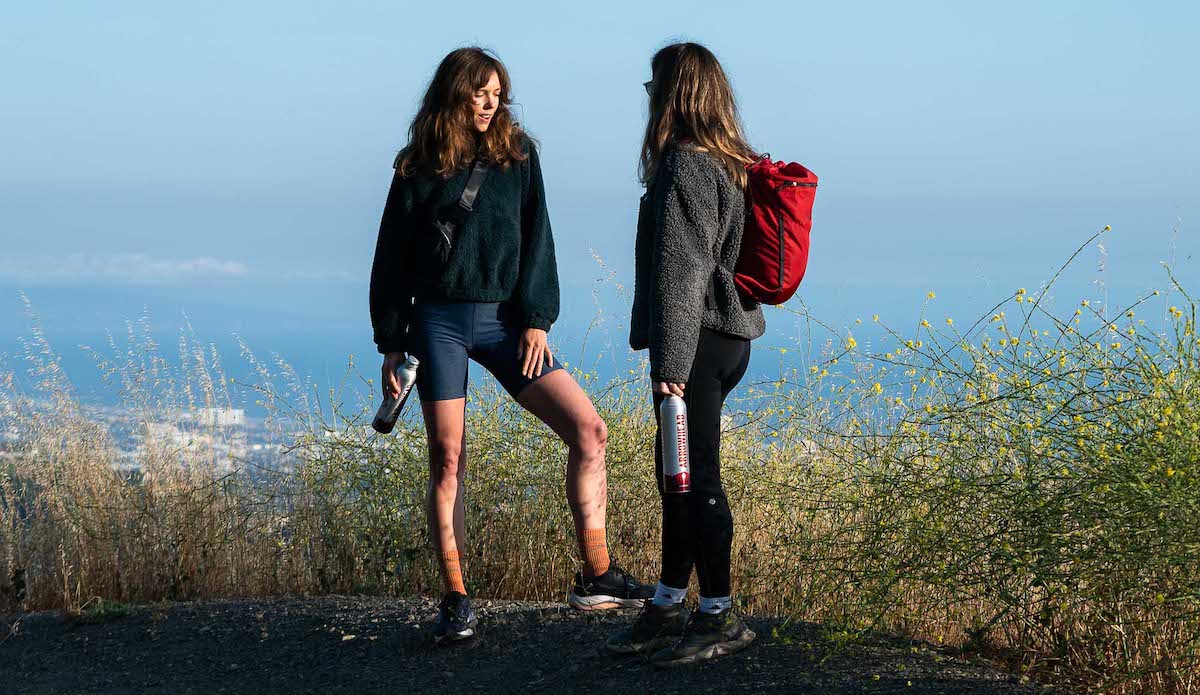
(412,360)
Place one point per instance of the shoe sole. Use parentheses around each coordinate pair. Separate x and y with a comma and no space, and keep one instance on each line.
(714,651)
(453,637)
(646,647)
(602,603)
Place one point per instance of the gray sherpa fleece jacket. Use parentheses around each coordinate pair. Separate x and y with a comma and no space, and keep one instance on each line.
(689,227)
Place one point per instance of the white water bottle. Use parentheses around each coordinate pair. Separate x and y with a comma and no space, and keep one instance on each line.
(673,427)
(389,410)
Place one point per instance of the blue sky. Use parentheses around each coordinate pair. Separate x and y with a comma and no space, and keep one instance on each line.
(229,161)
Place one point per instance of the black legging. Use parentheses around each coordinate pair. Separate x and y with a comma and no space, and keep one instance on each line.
(698,526)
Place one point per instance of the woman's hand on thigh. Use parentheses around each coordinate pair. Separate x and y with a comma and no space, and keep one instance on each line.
(534,352)
(666,388)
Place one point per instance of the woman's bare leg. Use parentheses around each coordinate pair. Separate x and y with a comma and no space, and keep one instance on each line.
(560,403)
(446,432)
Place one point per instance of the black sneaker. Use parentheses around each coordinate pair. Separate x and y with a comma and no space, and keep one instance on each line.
(656,627)
(707,636)
(455,621)
(616,588)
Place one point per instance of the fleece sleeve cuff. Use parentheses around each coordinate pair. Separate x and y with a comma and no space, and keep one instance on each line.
(385,348)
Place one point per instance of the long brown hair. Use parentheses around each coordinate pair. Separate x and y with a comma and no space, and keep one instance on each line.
(692,103)
(442,138)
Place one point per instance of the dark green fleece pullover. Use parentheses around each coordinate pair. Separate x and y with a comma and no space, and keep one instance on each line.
(503,252)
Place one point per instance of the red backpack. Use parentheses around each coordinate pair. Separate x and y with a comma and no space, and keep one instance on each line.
(774,253)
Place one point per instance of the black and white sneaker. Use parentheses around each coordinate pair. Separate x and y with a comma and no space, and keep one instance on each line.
(616,588)
(456,619)
(707,636)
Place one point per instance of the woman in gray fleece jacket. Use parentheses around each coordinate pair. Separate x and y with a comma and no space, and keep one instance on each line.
(698,328)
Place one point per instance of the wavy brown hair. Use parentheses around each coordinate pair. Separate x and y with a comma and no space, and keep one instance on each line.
(691,103)
(442,138)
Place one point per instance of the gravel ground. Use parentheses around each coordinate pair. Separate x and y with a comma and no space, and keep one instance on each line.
(358,644)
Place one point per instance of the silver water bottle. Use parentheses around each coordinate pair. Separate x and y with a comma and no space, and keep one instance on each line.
(673,427)
(389,410)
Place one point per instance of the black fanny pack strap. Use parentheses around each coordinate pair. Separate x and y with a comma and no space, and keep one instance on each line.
(466,202)
(474,181)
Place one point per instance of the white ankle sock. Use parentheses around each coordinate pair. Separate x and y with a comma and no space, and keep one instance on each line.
(714,605)
(668,596)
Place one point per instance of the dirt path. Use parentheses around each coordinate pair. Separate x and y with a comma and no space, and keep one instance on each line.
(379,645)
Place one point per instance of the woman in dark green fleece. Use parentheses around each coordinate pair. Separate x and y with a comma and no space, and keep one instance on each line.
(491,295)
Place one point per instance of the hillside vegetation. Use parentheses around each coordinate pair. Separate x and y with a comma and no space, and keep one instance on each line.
(1024,484)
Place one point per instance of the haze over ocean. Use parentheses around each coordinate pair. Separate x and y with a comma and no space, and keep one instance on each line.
(229,162)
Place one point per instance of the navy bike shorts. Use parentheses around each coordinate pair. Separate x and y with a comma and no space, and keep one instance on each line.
(443,335)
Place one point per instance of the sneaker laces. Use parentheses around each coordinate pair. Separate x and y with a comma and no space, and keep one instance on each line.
(711,621)
(620,574)
(687,627)
(456,606)
(463,610)
(646,609)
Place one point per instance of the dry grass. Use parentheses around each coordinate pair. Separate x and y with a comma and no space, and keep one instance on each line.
(1025,486)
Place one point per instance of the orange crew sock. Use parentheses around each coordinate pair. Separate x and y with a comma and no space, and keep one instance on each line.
(594,545)
(452,572)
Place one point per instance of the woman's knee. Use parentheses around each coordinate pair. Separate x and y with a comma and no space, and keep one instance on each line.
(445,462)
(590,436)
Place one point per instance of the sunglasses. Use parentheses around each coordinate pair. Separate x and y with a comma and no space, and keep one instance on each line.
(649,86)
